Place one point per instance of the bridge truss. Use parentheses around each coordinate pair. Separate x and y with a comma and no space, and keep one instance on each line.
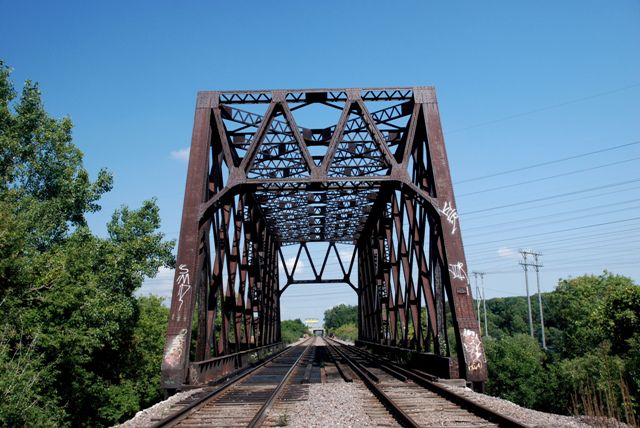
(376,179)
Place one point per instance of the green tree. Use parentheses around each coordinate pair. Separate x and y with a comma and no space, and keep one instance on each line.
(67,295)
(592,378)
(146,348)
(592,331)
(292,330)
(619,314)
(516,369)
(507,316)
(578,309)
(347,332)
(27,389)
(340,315)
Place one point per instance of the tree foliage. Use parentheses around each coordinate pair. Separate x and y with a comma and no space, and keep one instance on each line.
(293,330)
(516,369)
(347,331)
(85,343)
(592,324)
(340,315)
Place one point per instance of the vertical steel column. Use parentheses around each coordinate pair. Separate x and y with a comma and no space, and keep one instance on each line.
(190,254)
(470,349)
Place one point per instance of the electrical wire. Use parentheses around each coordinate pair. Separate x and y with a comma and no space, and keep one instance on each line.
(561,230)
(550,177)
(495,230)
(570,238)
(549,162)
(549,107)
(605,186)
(554,204)
(553,215)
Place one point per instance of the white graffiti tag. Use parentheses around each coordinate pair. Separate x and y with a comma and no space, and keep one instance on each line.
(452,215)
(184,282)
(458,272)
(473,350)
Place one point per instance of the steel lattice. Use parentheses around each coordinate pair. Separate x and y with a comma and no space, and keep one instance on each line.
(376,180)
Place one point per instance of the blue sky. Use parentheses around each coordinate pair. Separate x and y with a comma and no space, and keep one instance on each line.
(519,83)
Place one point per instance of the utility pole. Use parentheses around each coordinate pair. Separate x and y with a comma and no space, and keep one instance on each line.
(480,295)
(536,265)
(525,265)
(475,277)
(484,305)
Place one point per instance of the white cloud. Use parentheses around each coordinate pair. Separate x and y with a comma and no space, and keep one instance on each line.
(507,252)
(300,267)
(180,155)
(161,285)
(345,257)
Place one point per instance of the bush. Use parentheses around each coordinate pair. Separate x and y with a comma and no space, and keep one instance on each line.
(340,315)
(347,332)
(292,330)
(516,369)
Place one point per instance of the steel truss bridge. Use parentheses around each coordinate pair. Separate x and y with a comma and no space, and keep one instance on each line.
(375,181)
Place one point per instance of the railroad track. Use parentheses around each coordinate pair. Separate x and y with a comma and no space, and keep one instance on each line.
(407,397)
(412,397)
(245,400)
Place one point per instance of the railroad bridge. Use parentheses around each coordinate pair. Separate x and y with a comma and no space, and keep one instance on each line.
(375,181)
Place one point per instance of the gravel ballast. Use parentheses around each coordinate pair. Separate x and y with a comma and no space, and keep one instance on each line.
(344,405)
(159,410)
(337,405)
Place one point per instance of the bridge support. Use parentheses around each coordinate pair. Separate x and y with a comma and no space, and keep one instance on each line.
(378,180)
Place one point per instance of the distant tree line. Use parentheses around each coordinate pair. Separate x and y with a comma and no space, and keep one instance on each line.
(341,321)
(292,330)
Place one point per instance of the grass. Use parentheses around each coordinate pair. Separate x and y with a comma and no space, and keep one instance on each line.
(283,420)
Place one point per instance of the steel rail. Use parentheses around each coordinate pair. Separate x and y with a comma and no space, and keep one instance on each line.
(464,402)
(402,417)
(185,412)
(262,413)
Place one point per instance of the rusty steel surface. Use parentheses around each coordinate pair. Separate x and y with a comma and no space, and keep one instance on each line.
(374,180)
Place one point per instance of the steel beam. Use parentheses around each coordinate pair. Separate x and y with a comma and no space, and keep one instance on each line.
(377,180)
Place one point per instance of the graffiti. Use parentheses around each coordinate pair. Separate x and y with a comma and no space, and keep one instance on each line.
(452,215)
(472,350)
(458,272)
(173,353)
(184,282)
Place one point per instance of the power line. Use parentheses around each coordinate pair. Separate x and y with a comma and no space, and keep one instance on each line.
(575,251)
(549,107)
(578,171)
(550,162)
(583,242)
(558,220)
(562,267)
(569,267)
(560,231)
(554,215)
(588,259)
(563,201)
(605,186)
(502,291)
(570,238)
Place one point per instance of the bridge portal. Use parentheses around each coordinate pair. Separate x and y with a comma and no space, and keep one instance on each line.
(376,180)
